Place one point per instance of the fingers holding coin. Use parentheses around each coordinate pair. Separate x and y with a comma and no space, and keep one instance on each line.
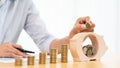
(83,24)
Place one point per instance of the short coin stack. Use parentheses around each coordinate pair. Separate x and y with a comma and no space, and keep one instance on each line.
(64,53)
(31,60)
(18,62)
(42,58)
(89,50)
(53,55)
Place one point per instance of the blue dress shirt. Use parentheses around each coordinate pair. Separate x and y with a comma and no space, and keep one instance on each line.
(16,15)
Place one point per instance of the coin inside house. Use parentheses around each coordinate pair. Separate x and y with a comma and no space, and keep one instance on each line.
(89,50)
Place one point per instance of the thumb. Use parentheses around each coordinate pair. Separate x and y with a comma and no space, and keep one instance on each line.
(17,46)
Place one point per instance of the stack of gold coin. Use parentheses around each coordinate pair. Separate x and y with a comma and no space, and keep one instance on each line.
(18,62)
(42,58)
(89,50)
(64,53)
(31,60)
(53,55)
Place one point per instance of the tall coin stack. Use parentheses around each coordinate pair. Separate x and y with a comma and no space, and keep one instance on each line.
(31,60)
(53,55)
(18,62)
(42,58)
(64,53)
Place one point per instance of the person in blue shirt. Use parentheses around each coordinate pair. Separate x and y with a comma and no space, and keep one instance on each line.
(16,15)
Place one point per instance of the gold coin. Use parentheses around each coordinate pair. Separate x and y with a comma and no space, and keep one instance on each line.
(84,50)
(87,25)
(89,53)
(94,50)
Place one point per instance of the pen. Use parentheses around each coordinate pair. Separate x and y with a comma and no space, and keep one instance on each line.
(23,50)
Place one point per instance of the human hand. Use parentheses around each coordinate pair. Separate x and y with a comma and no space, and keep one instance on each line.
(9,50)
(83,24)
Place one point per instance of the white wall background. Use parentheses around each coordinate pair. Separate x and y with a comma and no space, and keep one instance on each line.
(60,16)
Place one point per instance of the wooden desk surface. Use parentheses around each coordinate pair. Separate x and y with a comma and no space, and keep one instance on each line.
(112,61)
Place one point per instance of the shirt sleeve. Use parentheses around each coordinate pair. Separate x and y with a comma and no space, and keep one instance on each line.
(35,27)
